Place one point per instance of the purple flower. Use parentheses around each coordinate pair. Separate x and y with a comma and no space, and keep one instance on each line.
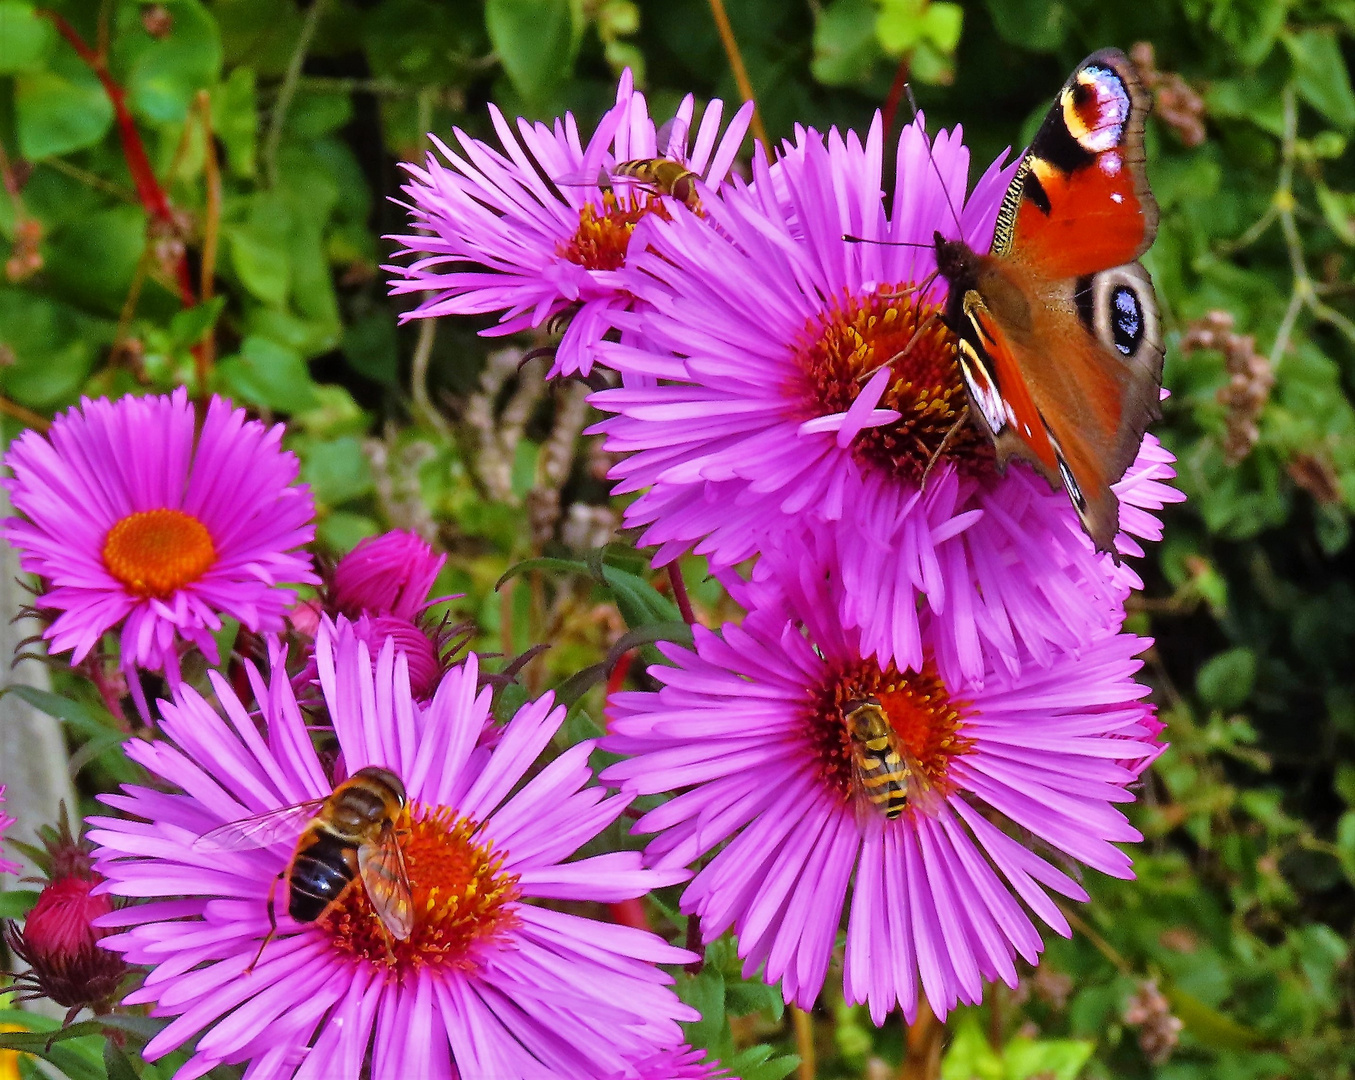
(752,728)
(133,520)
(494,979)
(529,233)
(390,574)
(678,1063)
(775,369)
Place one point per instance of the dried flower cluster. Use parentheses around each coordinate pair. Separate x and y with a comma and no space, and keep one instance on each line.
(1250,379)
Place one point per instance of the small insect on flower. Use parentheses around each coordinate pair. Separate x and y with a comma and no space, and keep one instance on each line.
(667,174)
(885,775)
(351,833)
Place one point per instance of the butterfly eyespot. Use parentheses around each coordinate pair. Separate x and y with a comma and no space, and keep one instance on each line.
(1126,319)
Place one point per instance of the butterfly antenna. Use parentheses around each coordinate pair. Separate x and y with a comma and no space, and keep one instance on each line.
(912,104)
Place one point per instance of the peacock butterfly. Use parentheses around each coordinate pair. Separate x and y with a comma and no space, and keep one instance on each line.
(1059,341)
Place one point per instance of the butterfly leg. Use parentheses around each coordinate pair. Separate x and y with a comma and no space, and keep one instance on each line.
(902,354)
(945,442)
(272,922)
(910,290)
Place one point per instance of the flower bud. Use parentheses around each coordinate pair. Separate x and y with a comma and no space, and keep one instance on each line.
(389,574)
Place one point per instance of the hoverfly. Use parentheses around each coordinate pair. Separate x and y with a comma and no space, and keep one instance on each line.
(884,773)
(348,834)
(665,174)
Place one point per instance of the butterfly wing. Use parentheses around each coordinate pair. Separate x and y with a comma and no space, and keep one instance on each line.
(386,879)
(1065,375)
(262,830)
(1080,201)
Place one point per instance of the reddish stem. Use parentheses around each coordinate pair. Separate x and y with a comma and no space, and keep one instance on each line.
(620,670)
(148,189)
(684,603)
(629,913)
(896,89)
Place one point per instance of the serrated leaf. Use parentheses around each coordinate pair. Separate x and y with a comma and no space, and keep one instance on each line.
(705,992)
(536,41)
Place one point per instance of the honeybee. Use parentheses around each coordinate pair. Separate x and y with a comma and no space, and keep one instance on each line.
(663,175)
(884,773)
(348,834)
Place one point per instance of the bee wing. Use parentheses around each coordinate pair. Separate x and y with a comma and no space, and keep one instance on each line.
(382,866)
(262,830)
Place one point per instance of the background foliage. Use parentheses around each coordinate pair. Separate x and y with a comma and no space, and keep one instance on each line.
(258,269)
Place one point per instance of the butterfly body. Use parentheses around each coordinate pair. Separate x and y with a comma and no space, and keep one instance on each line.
(1059,342)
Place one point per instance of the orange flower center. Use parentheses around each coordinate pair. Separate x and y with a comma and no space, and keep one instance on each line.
(604,233)
(463,901)
(927,725)
(154,552)
(843,348)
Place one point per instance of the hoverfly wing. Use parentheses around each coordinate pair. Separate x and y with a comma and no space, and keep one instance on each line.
(382,866)
(261,830)
(670,141)
(582,178)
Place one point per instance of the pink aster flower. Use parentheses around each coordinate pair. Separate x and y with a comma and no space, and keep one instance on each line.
(529,233)
(390,574)
(774,369)
(493,980)
(132,520)
(6,866)
(753,729)
(677,1063)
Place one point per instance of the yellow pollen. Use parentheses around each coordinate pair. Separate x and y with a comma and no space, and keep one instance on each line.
(154,552)
(604,233)
(926,720)
(843,348)
(462,900)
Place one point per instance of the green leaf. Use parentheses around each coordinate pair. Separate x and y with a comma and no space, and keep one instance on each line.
(164,74)
(261,248)
(941,26)
(845,44)
(757,1063)
(116,1063)
(969,1057)
(705,993)
(190,326)
(235,120)
(1250,27)
(1225,681)
(57,113)
(93,257)
(369,346)
(1321,75)
(537,41)
(1040,25)
(639,602)
(16,903)
(341,532)
(54,348)
(80,717)
(25,39)
(268,374)
(1049,1059)
(1339,210)
(337,470)
(1208,1025)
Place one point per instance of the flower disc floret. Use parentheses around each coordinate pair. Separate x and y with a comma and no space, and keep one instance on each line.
(155,552)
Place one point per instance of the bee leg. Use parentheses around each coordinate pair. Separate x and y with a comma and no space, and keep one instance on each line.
(903,353)
(272,922)
(936,456)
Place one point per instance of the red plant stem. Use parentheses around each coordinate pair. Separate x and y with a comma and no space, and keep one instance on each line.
(629,913)
(680,593)
(693,944)
(620,670)
(148,189)
(896,89)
